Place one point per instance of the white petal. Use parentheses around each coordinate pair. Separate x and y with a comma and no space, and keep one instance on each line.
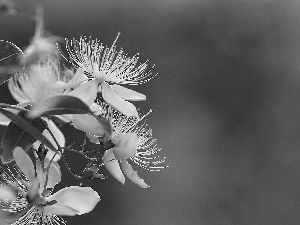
(54,176)
(51,153)
(86,92)
(62,85)
(24,163)
(59,137)
(33,191)
(132,175)
(79,76)
(76,80)
(82,199)
(128,94)
(66,118)
(113,166)
(117,102)
(88,123)
(40,172)
(126,145)
(54,173)
(7,193)
(61,210)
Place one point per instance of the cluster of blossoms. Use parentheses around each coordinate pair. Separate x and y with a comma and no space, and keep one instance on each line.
(87,96)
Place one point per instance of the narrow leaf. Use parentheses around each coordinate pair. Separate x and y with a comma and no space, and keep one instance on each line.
(58,105)
(23,133)
(10,60)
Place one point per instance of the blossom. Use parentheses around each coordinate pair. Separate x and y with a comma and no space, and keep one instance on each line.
(132,141)
(39,81)
(108,67)
(34,193)
(46,80)
(43,78)
(42,44)
(35,84)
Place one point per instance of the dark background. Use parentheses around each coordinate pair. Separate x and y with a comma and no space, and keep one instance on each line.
(226,105)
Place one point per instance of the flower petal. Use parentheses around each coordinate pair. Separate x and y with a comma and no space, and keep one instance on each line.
(132,175)
(113,166)
(61,210)
(54,176)
(88,123)
(128,94)
(79,76)
(82,199)
(66,118)
(117,102)
(7,193)
(59,137)
(86,92)
(24,163)
(126,145)
(54,173)
(76,80)
(33,192)
(62,85)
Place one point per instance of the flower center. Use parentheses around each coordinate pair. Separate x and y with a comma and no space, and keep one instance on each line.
(36,199)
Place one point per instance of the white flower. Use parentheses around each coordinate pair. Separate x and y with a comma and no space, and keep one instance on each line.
(42,44)
(108,67)
(37,83)
(43,78)
(46,80)
(132,142)
(40,205)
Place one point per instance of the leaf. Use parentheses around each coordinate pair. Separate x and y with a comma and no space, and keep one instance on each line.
(23,133)
(58,105)
(10,60)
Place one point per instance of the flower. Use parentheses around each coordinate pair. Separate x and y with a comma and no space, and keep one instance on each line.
(42,44)
(134,142)
(34,193)
(35,84)
(39,81)
(108,67)
(43,78)
(46,80)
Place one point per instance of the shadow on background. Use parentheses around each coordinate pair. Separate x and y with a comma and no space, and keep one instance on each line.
(226,106)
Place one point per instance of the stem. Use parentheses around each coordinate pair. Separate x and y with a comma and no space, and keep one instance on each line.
(102,164)
(58,150)
(48,169)
(68,168)
(82,153)
(52,135)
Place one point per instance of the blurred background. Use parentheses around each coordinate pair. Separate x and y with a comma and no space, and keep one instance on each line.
(226,105)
